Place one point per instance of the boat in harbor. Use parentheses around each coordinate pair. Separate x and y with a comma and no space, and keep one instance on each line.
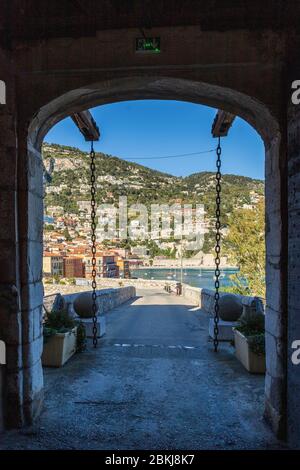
(189,276)
(170,275)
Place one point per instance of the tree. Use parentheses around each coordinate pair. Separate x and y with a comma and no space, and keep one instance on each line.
(245,245)
(48,227)
(67,235)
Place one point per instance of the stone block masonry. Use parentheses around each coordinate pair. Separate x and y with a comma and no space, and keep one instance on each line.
(242,60)
(107,299)
(205,298)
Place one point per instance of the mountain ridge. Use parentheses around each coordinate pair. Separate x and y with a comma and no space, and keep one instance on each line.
(162,173)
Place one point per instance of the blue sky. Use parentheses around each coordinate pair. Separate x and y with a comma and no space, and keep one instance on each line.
(153,128)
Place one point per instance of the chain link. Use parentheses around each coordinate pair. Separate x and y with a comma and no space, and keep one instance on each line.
(93,239)
(217,246)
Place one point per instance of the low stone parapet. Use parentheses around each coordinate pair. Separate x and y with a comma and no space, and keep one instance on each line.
(107,299)
(205,298)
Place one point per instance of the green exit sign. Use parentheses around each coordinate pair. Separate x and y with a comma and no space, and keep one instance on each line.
(147,45)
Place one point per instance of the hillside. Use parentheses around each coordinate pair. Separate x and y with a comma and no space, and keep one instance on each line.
(116,177)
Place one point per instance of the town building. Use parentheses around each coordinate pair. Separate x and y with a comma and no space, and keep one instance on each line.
(124,268)
(106,265)
(53,265)
(73,267)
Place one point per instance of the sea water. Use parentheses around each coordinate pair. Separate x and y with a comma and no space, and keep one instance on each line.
(201,277)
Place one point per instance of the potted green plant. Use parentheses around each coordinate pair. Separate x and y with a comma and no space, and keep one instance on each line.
(249,340)
(63,336)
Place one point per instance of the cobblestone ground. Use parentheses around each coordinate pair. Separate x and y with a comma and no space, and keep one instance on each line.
(153,383)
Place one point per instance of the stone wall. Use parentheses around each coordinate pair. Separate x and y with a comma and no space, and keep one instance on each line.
(293,334)
(106,283)
(200,260)
(192,294)
(10,284)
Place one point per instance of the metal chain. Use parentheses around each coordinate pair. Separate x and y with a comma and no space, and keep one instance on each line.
(218,246)
(93,239)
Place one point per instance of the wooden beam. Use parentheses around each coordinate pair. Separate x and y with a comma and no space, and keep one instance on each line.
(87,125)
(222,123)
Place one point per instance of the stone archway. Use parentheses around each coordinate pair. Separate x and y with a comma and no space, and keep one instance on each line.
(254,112)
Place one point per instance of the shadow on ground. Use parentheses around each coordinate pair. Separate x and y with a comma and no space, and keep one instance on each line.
(153,383)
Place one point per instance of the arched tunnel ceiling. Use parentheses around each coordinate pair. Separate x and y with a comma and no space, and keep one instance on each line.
(40,19)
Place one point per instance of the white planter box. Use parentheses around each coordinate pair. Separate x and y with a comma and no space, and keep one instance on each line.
(89,324)
(59,348)
(254,363)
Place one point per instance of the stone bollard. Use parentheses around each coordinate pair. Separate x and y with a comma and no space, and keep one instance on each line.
(230,307)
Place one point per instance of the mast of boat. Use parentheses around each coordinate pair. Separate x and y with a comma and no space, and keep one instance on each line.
(181,260)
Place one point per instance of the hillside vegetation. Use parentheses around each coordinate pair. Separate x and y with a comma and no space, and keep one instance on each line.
(117,177)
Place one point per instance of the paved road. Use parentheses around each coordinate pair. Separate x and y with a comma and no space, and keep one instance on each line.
(153,383)
(155,318)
